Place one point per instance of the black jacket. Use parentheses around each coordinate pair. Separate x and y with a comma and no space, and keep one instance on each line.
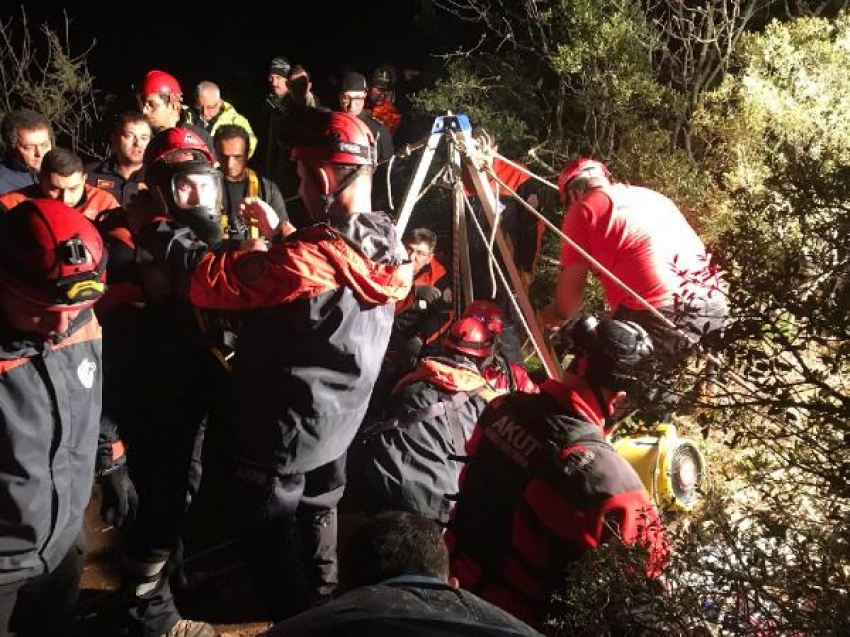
(50,402)
(105,175)
(409,605)
(412,460)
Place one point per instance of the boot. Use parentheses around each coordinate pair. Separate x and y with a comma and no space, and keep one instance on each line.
(190,628)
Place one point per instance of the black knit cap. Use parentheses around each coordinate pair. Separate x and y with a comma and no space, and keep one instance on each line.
(352,82)
(279,66)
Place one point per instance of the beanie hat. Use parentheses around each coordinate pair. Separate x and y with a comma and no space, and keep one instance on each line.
(279,66)
(352,81)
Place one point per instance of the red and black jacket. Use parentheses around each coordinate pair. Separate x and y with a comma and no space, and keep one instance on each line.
(430,321)
(542,487)
(311,346)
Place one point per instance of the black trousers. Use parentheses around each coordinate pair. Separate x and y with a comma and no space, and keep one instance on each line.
(701,322)
(43,606)
(288,535)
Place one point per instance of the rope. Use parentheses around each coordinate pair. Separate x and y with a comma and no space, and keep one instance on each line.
(498,269)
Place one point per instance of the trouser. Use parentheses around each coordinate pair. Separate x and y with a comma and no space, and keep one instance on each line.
(166,481)
(700,322)
(289,535)
(43,606)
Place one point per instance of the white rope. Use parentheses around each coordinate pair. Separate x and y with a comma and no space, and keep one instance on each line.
(498,269)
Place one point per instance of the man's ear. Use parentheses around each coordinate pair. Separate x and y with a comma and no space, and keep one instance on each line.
(453,582)
(324,180)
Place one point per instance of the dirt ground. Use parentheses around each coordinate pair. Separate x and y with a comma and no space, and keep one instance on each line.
(221,595)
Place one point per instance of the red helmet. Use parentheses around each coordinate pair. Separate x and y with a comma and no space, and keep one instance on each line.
(471,337)
(581,167)
(181,170)
(51,255)
(338,138)
(159,82)
(488,313)
(177,145)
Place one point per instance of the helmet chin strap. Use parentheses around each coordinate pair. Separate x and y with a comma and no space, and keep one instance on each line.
(607,413)
(329,199)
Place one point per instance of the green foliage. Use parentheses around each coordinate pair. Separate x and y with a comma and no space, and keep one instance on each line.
(787,103)
(496,98)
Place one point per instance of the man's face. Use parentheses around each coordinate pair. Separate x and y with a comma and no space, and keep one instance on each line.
(278,84)
(232,158)
(69,190)
(196,189)
(208,104)
(33,144)
(420,254)
(378,95)
(159,112)
(130,145)
(352,101)
(32,318)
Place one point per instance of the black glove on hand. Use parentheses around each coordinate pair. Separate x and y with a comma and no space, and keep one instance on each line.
(408,355)
(427,293)
(120,501)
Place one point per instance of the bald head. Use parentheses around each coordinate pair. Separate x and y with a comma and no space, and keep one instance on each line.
(208,100)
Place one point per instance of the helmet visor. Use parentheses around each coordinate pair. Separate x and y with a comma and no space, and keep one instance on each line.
(198,188)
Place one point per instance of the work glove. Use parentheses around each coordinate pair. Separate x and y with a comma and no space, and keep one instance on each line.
(120,500)
(408,354)
(427,293)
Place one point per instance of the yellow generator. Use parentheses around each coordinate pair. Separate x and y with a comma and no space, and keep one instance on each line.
(671,468)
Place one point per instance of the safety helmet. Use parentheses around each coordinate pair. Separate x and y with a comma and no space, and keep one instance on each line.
(488,313)
(338,138)
(159,82)
(471,337)
(581,167)
(384,77)
(180,170)
(611,353)
(51,255)
(177,145)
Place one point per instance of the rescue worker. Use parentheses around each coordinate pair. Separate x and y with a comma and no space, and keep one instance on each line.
(51,271)
(352,99)
(420,318)
(62,177)
(412,459)
(543,485)
(122,172)
(171,380)
(503,375)
(642,238)
(318,314)
(381,97)
(160,100)
(27,137)
(241,182)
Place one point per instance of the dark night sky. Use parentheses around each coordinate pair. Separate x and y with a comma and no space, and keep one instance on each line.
(232,47)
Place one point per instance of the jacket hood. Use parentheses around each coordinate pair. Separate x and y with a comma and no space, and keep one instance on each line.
(368,255)
(451,376)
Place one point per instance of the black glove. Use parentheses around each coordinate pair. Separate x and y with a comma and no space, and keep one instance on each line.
(427,293)
(120,501)
(408,354)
